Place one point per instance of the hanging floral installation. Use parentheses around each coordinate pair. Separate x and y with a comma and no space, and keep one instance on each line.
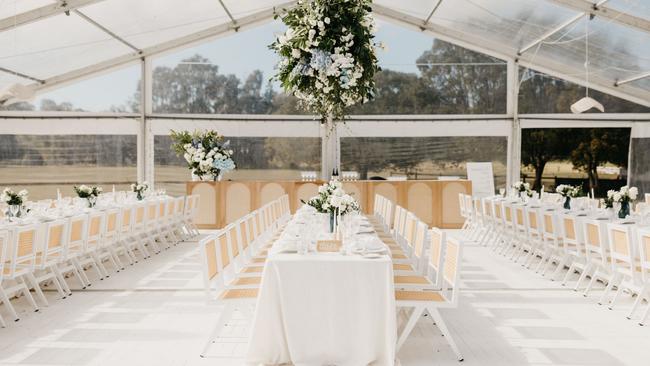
(327,55)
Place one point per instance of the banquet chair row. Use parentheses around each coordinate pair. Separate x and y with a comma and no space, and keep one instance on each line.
(234,258)
(426,264)
(563,243)
(36,255)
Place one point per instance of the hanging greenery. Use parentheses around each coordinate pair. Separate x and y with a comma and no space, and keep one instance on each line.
(327,55)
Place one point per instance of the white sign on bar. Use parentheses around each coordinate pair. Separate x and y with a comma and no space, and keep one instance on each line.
(482,178)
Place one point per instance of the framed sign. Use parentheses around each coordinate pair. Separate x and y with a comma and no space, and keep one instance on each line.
(482,178)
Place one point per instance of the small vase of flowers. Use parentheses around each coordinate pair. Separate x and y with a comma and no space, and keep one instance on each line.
(140,189)
(90,193)
(568,192)
(625,196)
(333,200)
(521,187)
(14,200)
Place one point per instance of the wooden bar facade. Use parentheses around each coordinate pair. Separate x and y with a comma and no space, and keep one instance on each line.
(433,201)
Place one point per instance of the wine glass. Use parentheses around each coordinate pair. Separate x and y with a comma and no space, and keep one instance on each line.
(13,211)
(502,192)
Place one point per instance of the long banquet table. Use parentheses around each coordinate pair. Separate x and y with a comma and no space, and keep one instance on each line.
(335,308)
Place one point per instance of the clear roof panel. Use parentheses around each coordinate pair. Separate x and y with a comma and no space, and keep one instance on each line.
(241,8)
(147,23)
(615,52)
(513,23)
(417,8)
(9,8)
(36,50)
(639,8)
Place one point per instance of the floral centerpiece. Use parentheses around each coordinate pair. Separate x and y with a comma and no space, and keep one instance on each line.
(90,193)
(206,154)
(333,200)
(14,200)
(568,192)
(522,187)
(624,196)
(327,55)
(140,189)
(608,202)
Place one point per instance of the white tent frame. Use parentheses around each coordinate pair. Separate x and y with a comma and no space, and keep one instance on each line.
(148,121)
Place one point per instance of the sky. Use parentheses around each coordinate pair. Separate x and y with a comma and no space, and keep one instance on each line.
(237,54)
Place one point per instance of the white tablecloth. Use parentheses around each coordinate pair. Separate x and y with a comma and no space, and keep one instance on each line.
(325,309)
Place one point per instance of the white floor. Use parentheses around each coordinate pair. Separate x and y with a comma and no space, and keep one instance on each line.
(156,313)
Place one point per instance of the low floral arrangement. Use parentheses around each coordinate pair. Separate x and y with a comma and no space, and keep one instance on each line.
(608,202)
(566,190)
(206,154)
(521,187)
(140,189)
(90,193)
(327,55)
(625,196)
(332,199)
(12,198)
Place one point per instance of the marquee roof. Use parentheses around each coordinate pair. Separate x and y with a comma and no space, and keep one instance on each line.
(47,43)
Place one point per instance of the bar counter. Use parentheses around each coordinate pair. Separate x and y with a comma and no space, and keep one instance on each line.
(433,201)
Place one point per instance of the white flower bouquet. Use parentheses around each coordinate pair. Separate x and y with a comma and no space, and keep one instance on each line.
(90,193)
(12,198)
(624,197)
(566,190)
(327,56)
(140,189)
(522,187)
(333,199)
(205,152)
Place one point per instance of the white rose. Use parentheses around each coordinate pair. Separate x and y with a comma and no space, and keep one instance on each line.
(295,53)
(327,20)
(610,193)
(634,193)
(617,197)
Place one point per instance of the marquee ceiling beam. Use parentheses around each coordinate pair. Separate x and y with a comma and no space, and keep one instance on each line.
(633,78)
(606,12)
(189,40)
(19,74)
(43,12)
(499,50)
(107,31)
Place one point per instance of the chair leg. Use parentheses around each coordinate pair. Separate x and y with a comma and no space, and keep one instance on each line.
(645,316)
(560,266)
(638,301)
(445,332)
(62,281)
(81,274)
(221,321)
(29,297)
(594,276)
(30,281)
(618,293)
(57,283)
(610,286)
(410,324)
(2,322)
(5,299)
(583,275)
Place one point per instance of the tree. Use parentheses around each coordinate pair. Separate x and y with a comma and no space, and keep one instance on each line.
(539,146)
(597,147)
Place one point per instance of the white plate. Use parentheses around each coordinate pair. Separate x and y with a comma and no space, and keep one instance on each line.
(372,256)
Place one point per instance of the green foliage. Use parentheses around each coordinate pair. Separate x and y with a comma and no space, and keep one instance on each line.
(327,55)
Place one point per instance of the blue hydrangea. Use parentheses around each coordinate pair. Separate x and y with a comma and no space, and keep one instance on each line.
(320,60)
(301,68)
(224,164)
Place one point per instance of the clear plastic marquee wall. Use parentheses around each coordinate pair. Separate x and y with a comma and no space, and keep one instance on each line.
(463,81)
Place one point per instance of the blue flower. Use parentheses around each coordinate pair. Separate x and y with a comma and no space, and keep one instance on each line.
(224,164)
(320,60)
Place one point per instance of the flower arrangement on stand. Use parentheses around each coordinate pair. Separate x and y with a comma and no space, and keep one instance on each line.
(206,154)
(90,193)
(625,196)
(608,202)
(14,201)
(140,189)
(568,192)
(333,200)
(521,187)
(327,55)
